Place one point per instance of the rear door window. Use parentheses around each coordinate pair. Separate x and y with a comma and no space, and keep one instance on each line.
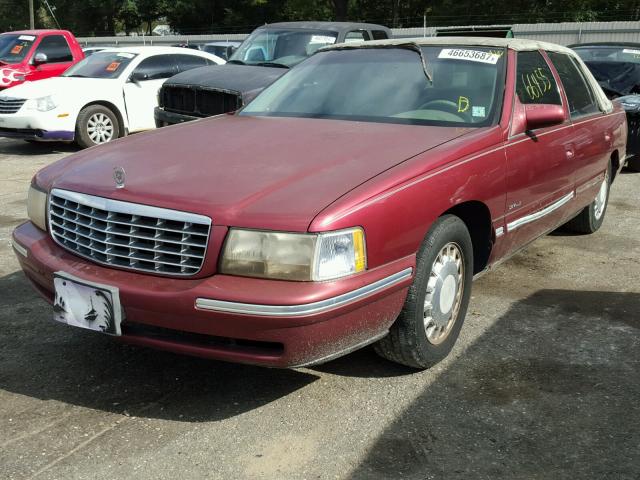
(187,62)
(535,83)
(158,67)
(581,98)
(56,48)
(356,36)
(379,34)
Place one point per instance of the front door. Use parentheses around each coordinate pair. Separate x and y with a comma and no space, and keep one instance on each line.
(59,57)
(541,162)
(141,90)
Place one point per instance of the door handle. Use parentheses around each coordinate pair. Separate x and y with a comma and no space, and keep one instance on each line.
(607,137)
(569,154)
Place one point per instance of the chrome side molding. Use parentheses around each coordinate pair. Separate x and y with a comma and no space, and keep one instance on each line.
(540,213)
(307,308)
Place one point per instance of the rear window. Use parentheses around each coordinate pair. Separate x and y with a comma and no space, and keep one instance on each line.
(14,48)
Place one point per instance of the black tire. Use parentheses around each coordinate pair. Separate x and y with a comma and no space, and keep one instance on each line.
(407,342)
(633,164)
(588,221)
(83,138)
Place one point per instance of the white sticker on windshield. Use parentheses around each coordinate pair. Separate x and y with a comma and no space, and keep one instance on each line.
(478,111)
(30,38)
(322,39)
(469,55)
(631,50)
(126,55)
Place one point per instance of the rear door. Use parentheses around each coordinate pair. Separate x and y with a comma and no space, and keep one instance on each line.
(592,138)
(141,96)
(59,57)
(540,165)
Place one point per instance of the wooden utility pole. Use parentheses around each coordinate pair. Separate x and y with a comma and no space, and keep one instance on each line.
(32,21)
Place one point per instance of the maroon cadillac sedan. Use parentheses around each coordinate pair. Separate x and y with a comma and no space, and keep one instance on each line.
(351,203)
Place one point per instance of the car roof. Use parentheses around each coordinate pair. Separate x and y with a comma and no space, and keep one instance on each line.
(329,26)
(37,32)
(518,44)
(144,50)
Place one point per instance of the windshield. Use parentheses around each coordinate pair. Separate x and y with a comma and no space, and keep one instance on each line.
(609,54)
(284,47)
(101,65)
(390,85)
(14,48)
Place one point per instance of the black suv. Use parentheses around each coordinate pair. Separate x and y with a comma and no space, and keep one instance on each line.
(616,66)
(262,58)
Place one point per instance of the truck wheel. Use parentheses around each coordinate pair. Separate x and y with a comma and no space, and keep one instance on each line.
(96,125)
(590,219)
(432,316)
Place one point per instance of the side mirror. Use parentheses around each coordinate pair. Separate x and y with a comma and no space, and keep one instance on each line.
(137,77)
(40,59)
(543,115)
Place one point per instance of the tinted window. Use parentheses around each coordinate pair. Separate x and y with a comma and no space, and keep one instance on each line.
(534,80)
(101,65)
(187,62)
(56,48)
(390,85)
(379,35)
(13,48)
(356,36)
(158,67)
(579,95)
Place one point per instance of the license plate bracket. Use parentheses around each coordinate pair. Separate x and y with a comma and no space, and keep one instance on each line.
(88,305)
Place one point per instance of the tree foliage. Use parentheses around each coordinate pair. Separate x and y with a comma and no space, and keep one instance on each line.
(107,17)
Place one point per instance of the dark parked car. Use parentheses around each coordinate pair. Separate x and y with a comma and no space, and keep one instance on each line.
(616,66)
(263,57)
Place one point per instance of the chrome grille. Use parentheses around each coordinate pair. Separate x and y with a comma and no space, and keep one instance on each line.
(129,235)
(11,105)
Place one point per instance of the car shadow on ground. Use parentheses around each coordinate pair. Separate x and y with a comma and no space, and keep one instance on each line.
(30,149)
(46,360)
(549,391)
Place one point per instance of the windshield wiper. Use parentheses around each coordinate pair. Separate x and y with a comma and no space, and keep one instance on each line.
(236,62)
(272,64)
(77,75)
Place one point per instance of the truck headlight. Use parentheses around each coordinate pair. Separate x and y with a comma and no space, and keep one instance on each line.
(37,207)
(294,256)
(42,104)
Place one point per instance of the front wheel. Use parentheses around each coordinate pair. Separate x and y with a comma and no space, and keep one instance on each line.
(436,304)
(590,219)
(96,125)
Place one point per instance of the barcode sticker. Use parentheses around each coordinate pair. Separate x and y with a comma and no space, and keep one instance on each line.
(469,55)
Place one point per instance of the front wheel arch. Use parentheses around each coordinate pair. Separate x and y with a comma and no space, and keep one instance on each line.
(111,106)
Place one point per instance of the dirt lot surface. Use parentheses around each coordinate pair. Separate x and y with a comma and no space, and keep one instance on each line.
(543,383)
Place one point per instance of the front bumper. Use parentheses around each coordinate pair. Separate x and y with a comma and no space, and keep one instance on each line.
(246,320)
(45,126)
(164,118)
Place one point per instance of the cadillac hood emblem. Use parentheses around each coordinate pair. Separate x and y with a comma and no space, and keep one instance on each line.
(119,177)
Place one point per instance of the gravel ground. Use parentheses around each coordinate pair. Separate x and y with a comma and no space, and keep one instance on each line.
(543,383)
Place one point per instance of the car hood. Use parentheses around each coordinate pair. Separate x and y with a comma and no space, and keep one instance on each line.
(59,86)
(233,78)
(10,75)
(255,172)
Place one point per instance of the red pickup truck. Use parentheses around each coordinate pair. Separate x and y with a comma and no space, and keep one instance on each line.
(30,55)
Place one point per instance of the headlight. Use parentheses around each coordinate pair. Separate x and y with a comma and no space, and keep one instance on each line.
(42,104)
(37,207)
(294,256)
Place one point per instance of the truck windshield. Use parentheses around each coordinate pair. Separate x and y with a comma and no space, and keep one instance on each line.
(390,85)
(14,47)
(101,65)
(609,54)
(281,47)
